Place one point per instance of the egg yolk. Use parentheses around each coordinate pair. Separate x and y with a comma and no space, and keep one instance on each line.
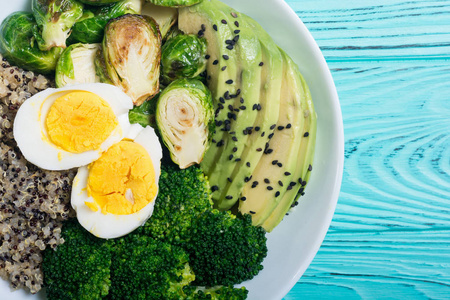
(122,181)
(80,121)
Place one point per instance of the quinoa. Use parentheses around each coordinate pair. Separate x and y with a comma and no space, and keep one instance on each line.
(33,202)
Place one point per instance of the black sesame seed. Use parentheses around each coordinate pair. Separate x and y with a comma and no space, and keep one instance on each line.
(266,180)
(215,62)
(200,33)
(237,160)
(234,149)
(274,162)
(287,173)
(229,179)
(229,81)
(224,21)
(229,42)
(220,143)
(222,100)
(234,15)
(279,164)
(214,188)
(273,126)
(261,64)
(248,164)
(292,183)
(277,194)
(280,127)
(301,190)
(242,107)
(236,23)
(225,57)
(303,183)
(257,128)
(237,31)
(230,157)
(280,183)
(268,151)
(223,68)
(236,39)
(229,197)
(207,56)
(215,27)
(227,95)
(310,168)
(241,100)
(259,149)
(270,135)
(203,27)
(270,188)
(230,107)
(306,134)
(243,198)
(230,47)
(289,187)
(288,126)
(252,212)
(246,179)
(263,134)
(234,138)
(255,106)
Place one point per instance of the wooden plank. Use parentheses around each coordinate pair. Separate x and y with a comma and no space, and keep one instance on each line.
(384,29)
(397,144)
(385,265)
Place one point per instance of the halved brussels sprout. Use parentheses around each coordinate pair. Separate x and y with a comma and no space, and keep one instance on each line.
(183,56)
(185,118)
(98,2)
(174,3)
(55,19)
(17,44)
(132,52)
(164,16)
(90,28)
(76,65)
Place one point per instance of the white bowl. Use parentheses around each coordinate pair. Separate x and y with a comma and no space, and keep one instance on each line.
(295,242)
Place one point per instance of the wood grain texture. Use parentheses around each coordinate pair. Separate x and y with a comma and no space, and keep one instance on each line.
(390,236)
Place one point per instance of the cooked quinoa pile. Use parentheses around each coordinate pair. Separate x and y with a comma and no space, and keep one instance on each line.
(34,202)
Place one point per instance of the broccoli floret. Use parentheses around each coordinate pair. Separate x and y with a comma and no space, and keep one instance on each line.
(215,293)
(182,196)
(225,249)
(145,268)
(78,268)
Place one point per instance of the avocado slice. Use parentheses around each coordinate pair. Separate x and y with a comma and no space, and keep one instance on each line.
(278,170)
(237,105)
(205,19)
(269,105)
(305,154)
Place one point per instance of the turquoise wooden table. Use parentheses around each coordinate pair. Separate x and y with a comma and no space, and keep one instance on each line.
(390,235)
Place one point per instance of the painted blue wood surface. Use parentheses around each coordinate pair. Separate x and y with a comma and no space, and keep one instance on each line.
(390,236)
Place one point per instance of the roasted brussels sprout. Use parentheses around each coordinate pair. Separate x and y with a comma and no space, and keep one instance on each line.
(76,65)
(98,2)
(174,3)
(90,28)
(164,16)
(185,118)
(18,46)
(143,114)
(132,52)
(55,19)
(183,56)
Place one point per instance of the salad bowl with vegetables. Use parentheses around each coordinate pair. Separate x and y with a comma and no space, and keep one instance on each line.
(192,129)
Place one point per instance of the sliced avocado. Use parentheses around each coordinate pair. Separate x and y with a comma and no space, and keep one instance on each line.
(305,154)
(277,170)
(268,109)
(205,19)
(243,89)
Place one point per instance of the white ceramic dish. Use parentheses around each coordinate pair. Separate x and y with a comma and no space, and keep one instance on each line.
(295,242)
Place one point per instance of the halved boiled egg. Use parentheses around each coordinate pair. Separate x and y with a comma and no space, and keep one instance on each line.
(116,193)
(59,129)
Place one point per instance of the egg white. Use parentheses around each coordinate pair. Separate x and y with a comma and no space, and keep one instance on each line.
(31,135)
(109,225)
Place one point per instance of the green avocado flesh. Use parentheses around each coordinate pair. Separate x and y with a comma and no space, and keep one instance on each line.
(263,109)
